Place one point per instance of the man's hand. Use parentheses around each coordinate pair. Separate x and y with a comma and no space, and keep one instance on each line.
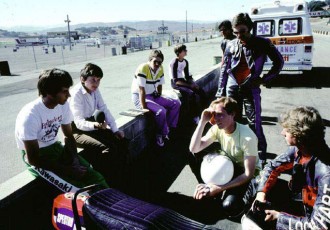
(75,162)
(206,190)
(271,215)
(257,82)
(77,172)
(103,125)
(261,197)
(202,190)
(119,134)
(207,114)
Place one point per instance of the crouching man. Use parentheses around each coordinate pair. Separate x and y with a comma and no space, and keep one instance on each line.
(238,142)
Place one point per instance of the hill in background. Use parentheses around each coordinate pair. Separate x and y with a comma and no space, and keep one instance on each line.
(173,26)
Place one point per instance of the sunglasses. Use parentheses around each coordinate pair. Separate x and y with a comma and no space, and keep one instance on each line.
(157,62)
(240,32)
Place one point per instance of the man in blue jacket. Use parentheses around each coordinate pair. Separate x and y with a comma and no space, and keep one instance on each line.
(240,72)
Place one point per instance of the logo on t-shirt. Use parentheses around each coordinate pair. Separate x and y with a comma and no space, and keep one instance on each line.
(51,128)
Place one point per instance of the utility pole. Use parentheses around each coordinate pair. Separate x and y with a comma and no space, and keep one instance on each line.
(163,29)
(186,28)
(68,21)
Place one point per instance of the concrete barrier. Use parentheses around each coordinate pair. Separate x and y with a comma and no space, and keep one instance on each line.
(26,195)
(4,68)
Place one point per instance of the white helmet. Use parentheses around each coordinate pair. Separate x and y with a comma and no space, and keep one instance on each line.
(217,169)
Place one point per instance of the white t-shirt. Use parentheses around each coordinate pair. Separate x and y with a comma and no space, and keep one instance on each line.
(37,122)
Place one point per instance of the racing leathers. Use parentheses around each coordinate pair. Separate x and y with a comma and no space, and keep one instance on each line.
(248,61)
(314,186)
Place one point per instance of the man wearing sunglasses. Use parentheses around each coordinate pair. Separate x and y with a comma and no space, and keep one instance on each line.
(147,94)
(240,72)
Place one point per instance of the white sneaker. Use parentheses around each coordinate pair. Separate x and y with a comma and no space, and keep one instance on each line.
(159,140)
(196,120)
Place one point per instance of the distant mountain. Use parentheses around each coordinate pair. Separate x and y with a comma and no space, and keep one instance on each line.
(139,25)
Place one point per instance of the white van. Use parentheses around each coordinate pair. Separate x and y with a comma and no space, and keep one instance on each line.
(287,25)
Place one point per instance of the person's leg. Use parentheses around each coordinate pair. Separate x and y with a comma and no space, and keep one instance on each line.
(98,139)
(195,161)
(91,176)
(202,100)
(66,183)
(252,104)
(105,152)
(162,128)
(234,92)
(232,201)
(188,102)
(172,107)
(160,114)
(50,154)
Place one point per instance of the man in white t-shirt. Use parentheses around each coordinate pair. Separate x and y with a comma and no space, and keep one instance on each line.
(238,142)
(36,130)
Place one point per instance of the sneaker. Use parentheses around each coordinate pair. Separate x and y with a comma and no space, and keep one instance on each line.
(196,120)
(166,138)
(159,140)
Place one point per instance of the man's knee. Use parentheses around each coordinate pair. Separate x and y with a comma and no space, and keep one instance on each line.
(176,104)
(160,113)
(233,205)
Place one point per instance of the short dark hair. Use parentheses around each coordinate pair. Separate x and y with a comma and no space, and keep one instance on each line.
(156,53)
(242,19)
(229,104)
(226,24)
(52,81)
(179,48)
(91,69)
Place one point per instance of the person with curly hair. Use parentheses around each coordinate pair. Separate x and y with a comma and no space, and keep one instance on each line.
(305,200)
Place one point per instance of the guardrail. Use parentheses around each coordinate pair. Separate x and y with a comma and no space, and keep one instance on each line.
(23,202)
(321,32)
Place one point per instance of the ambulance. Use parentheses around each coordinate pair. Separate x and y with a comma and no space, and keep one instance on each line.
(287,25)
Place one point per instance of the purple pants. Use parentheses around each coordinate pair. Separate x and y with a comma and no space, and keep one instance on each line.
(166,111)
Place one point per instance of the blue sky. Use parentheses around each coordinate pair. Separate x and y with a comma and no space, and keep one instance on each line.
(53,13)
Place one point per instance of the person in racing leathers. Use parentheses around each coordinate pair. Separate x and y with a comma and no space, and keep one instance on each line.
(308,158)
(240,72)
